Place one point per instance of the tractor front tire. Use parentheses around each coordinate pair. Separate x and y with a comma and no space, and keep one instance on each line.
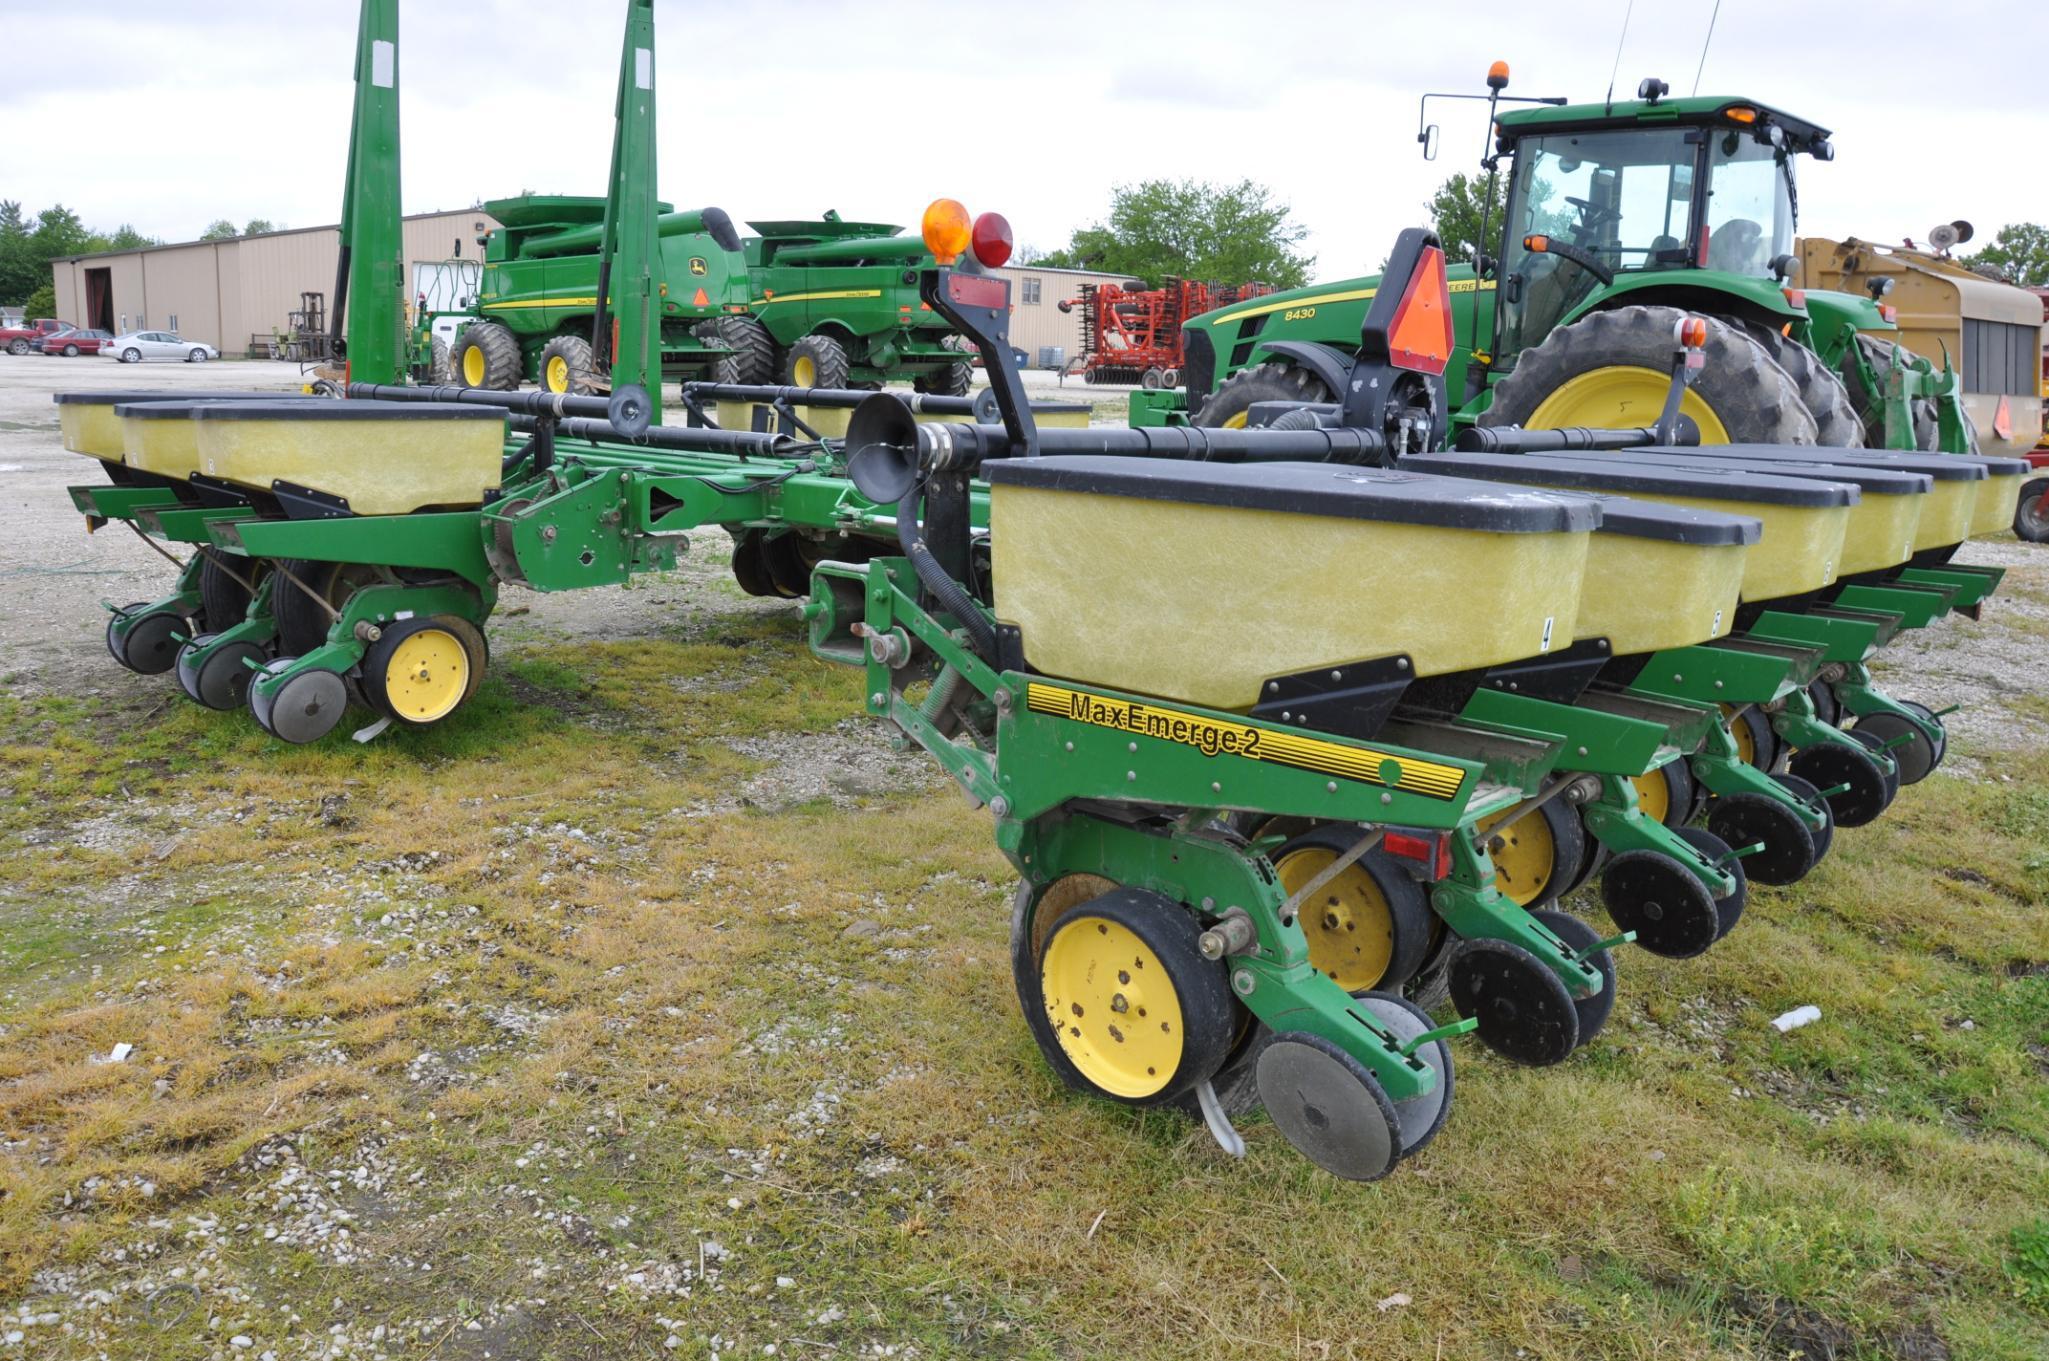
(567,365)
(1610,370)
(487,356)
(439,371)
(1228,406)
(752,361)
(817,361)
(1870,406)
(1822,390)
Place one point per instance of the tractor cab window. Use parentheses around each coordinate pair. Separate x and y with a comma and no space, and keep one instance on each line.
(1624,197)
(1750,203)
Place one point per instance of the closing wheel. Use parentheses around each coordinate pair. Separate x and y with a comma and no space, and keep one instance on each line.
(1127,1007)
(421,670)
(1827,765)
(146,646)
(305,709)
(1666,794)
(1580,937)
(1368,927)
(1748,819)
(1917,757)
(1870,742)
(1535,855)
(1329,1107)
(221,679)
(1756,744)
(1662,901)
(1525,1012)
(1729,907)
(1805,791)
(1419,1117)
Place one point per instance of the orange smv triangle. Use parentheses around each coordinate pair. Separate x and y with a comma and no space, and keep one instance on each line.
(702,299)
(1420,338)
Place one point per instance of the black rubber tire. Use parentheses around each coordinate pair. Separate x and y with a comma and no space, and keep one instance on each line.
(1745,819)
(1765,746)
(301,624)
(752,361)
(1271,382)
(498,351)
(1821,388)
(1729,907)
(1810,794)
(1576,933)
(1755,399)
(1526,1014)
(376,666)
(147,648)
(828,358)
(1827,707)
(1592,857)
(2031,516)
(954,380)
(1871,742)
(438,370)
(1568,848)
(1916,760)
(1408,905)
(1422,1118)
(575,354)
(1680,794)
(1828,764)
(1209,1013)
(1870,407)
(1671,911)
(224,600)
(750,569)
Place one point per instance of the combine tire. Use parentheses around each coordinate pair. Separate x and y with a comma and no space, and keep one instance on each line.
(1227,406)
(2031,516)
(816,362)
(1870,406)
(1612,369)
(567,366)
(486,356)
(1822,390)
(955,380)
(439,372)
(752,360)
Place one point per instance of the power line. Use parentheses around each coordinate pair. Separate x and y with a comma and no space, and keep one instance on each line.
(1704,45)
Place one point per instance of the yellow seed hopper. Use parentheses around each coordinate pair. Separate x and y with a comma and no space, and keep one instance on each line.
(368,457)
(92,427)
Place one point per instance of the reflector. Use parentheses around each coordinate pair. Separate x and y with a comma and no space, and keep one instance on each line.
(1420,338)
(991,239)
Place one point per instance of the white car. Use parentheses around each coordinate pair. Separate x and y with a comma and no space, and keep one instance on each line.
(137,346)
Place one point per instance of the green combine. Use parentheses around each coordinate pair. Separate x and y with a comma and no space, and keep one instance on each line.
(1620,219)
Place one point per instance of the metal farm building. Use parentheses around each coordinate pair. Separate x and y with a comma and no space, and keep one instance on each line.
(229,293)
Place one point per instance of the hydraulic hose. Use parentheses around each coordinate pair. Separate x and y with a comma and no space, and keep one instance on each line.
(950,594)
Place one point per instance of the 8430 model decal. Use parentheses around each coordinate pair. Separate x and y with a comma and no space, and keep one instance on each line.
(1221,737)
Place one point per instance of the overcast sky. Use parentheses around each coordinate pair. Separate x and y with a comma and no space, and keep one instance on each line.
(168,116)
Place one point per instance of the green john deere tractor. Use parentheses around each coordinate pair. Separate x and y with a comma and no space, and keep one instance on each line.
(1620,219)
(809,303)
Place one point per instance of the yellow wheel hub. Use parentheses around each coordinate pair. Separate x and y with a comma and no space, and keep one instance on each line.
(473,366)
(1619,397)
(1525,854)
(558,373)
(1653,795)
(427,676)
(804,371)
(1112,1005)
(1349,926)
(1236,421)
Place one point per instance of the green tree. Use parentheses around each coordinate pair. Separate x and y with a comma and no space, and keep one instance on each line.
(20,271)
(1455,215)
(2020,252)
(221,230)
(58,232)
(1230,233)
(41,303)
(257,226)
(126,237)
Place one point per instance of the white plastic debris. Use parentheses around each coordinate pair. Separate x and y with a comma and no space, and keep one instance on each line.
(118,1054)
(1394,1301)
(1796,1018)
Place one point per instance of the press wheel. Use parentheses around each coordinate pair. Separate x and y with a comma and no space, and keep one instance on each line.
(1917,758)
(1811,796)
(1578,936)
(1747,819)
(1666,794)
(1826,765)
(421,670)
(220,680)
(1870,742)
(1661,900)
(147,646)
(1329,1107)
(1525,1012)
(1126,1006)
(305,708)
(1419,1117)
(1368,927)
(1729,907)
(1536,855)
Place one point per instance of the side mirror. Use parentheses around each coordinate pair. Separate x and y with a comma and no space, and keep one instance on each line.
(1428,137)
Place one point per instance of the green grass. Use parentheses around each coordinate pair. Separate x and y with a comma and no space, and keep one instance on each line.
(557,1015)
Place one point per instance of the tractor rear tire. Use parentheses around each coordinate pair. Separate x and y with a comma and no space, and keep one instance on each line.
(1228,405)
(1822,390)
(1871,406)
(752,361)
(567,365)
(486,356)
(439,371)
(817,361)
(1754,399)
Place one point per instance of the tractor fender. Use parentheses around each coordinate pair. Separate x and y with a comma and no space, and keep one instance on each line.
(1333,366)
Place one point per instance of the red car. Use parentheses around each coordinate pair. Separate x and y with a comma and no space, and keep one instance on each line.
(15,339)
(69,343)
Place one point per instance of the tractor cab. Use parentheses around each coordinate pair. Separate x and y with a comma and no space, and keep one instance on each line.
(1607,198)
